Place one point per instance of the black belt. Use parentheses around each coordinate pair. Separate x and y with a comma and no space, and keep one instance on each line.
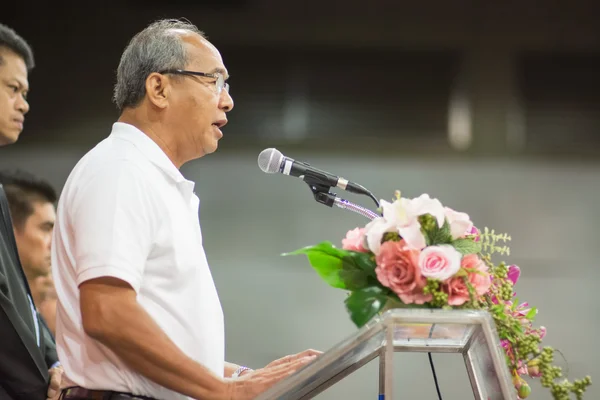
(79,393)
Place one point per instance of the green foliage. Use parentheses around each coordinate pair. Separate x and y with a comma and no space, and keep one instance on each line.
(434,234)
(531,314)
(489,243)
(550,373)
(524,344)
(466,246)
(364,304)
(439,298)
(341,269)
(391,237)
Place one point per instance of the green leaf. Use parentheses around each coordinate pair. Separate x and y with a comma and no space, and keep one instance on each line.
(519,328)
(352,278)
(436,235)
(364,304)
(466,246)
(358,271)
(500,315)
(323,247)
(531,314)
(498,309)
(340,269)
(363,261)
(327,260)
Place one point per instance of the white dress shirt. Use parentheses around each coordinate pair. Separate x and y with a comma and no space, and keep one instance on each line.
(127,212)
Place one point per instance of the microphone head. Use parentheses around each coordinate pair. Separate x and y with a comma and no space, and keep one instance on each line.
(269,160)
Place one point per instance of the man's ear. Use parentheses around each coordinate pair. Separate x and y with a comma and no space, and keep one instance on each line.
(157,89)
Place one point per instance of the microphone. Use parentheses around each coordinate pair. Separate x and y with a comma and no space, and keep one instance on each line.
(272,161)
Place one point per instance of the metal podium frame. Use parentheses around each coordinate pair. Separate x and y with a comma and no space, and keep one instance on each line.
(469,332)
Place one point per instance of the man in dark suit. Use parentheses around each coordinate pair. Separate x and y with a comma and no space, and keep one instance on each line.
(28,360)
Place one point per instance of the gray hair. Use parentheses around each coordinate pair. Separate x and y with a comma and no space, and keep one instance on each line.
(156,48)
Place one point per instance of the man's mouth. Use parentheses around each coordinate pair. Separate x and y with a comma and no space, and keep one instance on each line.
(220,123)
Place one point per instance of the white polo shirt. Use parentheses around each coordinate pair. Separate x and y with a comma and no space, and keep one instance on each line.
(127,212)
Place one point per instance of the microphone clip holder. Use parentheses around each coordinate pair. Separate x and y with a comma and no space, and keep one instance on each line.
(321,193)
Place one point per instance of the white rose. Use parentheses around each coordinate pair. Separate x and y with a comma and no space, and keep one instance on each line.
(374,232)
(460,223)
(400,215)
(425,205)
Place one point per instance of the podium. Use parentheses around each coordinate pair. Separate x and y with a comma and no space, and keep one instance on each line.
(469,332)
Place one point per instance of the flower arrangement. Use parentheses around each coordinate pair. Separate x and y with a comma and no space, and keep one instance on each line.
(422,254)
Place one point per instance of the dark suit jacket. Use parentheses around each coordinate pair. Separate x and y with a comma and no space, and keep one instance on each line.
(23,365)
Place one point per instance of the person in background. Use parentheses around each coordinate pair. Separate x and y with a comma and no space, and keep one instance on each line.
(45,286)
(32,207)
(29,367)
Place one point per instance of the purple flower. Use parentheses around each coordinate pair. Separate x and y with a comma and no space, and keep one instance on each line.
(475,231)
(542,332)
(513,274)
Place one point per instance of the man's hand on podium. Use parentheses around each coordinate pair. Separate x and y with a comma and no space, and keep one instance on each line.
(252,383)
(293,357)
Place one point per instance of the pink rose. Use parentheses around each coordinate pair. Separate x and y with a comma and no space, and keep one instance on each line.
(354,240)
(439,262)
(478,277)
(460,223)
(458,293)
(478,273)
(397,268)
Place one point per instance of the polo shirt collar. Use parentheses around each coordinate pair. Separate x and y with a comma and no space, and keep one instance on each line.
(148,148)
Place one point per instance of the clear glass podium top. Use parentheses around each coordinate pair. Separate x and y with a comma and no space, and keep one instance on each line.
(469,332)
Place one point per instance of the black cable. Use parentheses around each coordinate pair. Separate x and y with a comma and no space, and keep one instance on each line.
(435,380)
(359,189)
(372,196)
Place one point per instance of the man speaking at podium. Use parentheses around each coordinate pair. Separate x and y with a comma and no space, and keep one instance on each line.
(139,315)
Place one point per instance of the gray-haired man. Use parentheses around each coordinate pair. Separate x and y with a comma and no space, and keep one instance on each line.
(139,314)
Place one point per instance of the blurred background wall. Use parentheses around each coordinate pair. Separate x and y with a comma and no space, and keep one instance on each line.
(494,108)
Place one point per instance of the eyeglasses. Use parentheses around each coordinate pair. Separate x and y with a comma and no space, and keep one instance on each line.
(220,79)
